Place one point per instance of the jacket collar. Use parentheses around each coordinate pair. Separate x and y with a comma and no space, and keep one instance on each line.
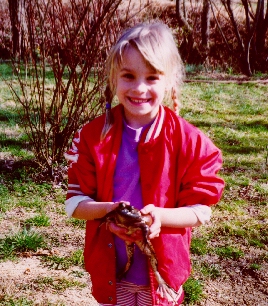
(156,126)
(151,133)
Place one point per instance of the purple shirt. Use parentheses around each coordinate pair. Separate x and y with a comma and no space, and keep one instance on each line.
(127,187)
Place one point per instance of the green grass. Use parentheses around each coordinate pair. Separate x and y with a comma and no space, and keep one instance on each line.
(76,222)
(255,266)
(210,270)
(229,252)
(193,291)
(57,284)
(39,220)
(64,263)
(10,301)
(236,119)
(22,241)
(199,246)
(6,70)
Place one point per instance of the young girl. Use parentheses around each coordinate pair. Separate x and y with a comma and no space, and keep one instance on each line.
(143,153)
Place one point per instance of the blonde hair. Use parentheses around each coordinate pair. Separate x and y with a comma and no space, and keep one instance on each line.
(156,44)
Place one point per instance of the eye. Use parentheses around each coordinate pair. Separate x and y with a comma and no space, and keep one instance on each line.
(153,78)
(128,76)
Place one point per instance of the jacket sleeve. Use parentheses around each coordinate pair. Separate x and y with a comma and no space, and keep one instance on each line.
(81,171)
(201,160)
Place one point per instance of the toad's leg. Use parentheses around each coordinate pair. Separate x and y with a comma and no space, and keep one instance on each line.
(130,256)
(164,290)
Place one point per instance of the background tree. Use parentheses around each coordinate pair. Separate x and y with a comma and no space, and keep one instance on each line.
(239,35)
(192,24)
(187,45)
(249,28)
(259,34)
(14,19)
(205,24)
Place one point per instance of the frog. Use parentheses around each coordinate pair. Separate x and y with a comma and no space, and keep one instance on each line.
(129,217)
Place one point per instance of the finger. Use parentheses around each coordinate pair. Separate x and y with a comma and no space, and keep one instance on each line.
(155,228)
(118,230)
(147,209)
(121,232)
(156,225)
(148,219)
(154,234)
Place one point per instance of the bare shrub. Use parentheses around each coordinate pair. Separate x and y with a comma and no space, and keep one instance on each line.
(67,44)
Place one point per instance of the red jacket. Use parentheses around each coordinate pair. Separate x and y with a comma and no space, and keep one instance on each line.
(178,167)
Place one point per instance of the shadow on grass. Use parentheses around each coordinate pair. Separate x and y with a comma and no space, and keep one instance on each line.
(247,150)
(29,170)
(9,115)
(12,142)
(252,125)
(12,169)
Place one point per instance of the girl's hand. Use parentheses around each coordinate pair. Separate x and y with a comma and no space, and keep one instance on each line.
(155,214)
(113,206)
(120,231)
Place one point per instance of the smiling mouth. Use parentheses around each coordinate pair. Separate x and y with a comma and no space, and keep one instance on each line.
(138,101)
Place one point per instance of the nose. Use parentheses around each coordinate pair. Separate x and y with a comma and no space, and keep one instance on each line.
(140,86)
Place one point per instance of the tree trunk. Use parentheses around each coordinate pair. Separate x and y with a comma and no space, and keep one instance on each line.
(261,28)
(205,23)
(14,19)
(187,45)
(181,18)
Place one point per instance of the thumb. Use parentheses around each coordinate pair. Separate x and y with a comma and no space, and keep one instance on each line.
(147,209)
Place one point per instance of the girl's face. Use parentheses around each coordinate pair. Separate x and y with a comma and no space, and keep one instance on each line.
(139,88)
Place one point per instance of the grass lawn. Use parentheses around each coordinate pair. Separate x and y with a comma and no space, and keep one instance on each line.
(41,250)
(230,254)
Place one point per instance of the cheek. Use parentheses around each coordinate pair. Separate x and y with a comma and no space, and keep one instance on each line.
(122,88)
(120,92)
(162,90)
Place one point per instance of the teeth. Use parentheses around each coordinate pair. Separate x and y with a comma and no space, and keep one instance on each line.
(139,101)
